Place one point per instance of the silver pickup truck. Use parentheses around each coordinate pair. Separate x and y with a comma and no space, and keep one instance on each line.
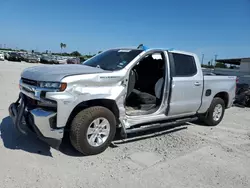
(130,89)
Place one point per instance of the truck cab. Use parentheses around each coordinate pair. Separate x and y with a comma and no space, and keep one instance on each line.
(133,89)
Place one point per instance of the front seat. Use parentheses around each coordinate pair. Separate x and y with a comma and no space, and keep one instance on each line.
(158,88)
(131,83)
(147,98)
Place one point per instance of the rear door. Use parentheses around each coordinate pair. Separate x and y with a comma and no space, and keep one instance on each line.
(187,84)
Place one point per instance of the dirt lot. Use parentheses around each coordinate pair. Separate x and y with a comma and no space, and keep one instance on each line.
(186,156)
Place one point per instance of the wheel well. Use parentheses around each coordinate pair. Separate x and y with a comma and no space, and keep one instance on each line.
(108,103)
(224,96)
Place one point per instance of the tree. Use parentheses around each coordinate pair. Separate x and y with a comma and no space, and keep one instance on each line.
(76,53)
(220,65)
(62,45)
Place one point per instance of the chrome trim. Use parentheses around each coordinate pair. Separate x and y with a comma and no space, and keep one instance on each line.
(34,92)
(41,121)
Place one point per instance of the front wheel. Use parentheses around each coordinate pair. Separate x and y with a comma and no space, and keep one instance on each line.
(215,112)
(92,130)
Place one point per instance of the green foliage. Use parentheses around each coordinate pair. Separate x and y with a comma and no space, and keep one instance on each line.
(6,49)
(82,59)
(76,53)
(62,45)
(22,50)
(61,54)
(88,56)
(73,54)
(220,65)
(207,66)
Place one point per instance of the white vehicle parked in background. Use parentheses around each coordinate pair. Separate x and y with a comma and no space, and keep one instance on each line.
(1,56)
(133,89)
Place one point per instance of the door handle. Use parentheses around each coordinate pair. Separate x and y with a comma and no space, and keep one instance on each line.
(197,83)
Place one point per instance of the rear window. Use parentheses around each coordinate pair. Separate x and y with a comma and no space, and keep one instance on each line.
(184,65)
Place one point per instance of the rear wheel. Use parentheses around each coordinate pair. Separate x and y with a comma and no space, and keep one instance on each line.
(215,112)
(92,130)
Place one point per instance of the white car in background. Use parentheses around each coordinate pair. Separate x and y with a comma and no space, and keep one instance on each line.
(2,56)
(61,60)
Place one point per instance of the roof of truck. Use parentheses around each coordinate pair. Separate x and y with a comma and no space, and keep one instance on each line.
(163,49)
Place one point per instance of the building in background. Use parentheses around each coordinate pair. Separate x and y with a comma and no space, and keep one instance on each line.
(241,68)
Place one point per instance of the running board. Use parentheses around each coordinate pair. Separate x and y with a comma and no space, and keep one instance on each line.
(156,125)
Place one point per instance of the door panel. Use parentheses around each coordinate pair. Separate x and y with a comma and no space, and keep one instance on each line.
(187,86)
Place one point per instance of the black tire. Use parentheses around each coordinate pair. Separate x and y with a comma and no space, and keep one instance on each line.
(80,125)
(208,118)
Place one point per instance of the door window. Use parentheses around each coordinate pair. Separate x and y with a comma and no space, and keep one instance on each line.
(184,65)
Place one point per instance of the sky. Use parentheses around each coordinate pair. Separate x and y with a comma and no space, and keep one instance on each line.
(214,27)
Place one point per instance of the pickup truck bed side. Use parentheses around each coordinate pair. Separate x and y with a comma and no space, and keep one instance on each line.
(225,87)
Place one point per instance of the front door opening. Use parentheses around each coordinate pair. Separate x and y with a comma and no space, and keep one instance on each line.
(145,86)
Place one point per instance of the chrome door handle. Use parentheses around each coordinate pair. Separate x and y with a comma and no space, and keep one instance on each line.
(197,83)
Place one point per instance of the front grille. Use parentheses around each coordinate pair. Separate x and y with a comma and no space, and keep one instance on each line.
(25,89)
(29,82)
(45,104)
(31,102)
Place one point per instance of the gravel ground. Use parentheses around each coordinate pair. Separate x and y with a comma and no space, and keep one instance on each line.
(190,155)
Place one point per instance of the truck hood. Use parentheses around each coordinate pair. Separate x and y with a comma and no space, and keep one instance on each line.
(56,73)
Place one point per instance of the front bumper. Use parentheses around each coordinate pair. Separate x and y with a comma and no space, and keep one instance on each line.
(37,120)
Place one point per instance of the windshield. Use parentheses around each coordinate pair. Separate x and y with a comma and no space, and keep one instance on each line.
(112,59)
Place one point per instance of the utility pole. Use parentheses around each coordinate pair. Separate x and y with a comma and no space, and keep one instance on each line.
(215,57)
(202,59)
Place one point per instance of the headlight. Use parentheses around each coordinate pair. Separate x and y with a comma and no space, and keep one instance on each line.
(53,85)
(50,84)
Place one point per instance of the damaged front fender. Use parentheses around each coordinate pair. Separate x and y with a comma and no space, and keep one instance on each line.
(84,88)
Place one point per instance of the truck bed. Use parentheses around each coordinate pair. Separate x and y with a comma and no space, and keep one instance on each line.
(218,84)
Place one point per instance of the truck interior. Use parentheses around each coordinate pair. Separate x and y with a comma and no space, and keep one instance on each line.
(145,86)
